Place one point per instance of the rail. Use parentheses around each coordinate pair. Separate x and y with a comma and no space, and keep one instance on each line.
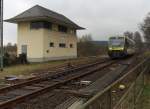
(113,98)
(11,95)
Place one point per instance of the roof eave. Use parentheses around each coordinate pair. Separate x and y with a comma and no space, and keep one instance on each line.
(81,28)
(12,20)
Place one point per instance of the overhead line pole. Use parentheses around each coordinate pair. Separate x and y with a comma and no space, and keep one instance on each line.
(1,34)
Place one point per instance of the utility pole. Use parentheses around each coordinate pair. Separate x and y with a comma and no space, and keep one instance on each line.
(1,35)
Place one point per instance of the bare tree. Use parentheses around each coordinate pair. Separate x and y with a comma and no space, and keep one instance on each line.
(86,38)
(138,39)
(9,44)
(145,27)
(129,34)
(87,47)
(10,48)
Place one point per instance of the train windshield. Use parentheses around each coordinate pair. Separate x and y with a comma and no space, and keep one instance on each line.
(117,42)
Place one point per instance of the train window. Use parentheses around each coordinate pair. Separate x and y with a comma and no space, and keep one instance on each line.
(116,42)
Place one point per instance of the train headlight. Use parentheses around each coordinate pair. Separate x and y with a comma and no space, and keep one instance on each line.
(110,48)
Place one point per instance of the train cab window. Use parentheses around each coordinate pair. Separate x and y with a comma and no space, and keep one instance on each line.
(116,42)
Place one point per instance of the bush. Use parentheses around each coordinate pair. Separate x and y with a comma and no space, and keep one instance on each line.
(6,59)
(22,59)
(9,60)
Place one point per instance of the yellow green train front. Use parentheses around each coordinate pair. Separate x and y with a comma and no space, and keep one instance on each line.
(117,47)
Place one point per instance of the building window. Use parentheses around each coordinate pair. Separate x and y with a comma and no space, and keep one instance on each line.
(71,45)
(62,29)
(51,44)
(40,24)
(62,45)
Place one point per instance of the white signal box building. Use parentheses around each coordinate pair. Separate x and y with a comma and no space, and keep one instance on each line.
(45,35)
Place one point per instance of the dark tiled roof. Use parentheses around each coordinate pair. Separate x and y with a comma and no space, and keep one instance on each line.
(40,13)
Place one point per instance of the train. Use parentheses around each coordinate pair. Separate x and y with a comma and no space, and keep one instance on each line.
(120,46)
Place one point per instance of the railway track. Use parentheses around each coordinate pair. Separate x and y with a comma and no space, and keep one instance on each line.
(67,94)
(10,96)
(101,79)
(126,76)
(73,63)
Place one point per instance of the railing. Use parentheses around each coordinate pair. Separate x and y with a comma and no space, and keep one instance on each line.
(114,98)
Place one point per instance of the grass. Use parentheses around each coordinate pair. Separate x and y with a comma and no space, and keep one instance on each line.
(147,53)
(146,96)
(28,69)
(17,70)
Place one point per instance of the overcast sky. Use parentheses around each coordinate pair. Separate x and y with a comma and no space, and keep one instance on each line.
(101,18)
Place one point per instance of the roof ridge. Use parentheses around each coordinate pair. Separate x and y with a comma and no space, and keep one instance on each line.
(48,9)
(36,12)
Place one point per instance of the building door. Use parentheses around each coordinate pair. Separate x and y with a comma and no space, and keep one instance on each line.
(24,49)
